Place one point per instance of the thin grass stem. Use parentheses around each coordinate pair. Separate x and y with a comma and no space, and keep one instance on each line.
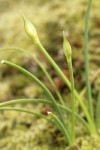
(41,66)
(68,110)
(52,83)
(26,111)
(66,81)
(32,33)
(68,54)
(72,101)
(56,119)
(62,75)
(89,95)
(31,76)
(59,124)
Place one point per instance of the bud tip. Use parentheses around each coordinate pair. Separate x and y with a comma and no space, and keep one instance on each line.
(48,112)
(2,61)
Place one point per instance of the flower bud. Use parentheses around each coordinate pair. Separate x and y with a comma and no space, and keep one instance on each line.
(67,48)
(30,29)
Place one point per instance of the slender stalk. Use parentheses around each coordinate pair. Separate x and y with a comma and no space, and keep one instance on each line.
(31,76)
(61,127)
(66,81)
(60,73)
(72,100)
(26,111)
(78,117)
(68,110)
(80,101)
(22,101)
(90,106)
(28,53)
(52,83)
(40,65)
(56,120)
(68,53)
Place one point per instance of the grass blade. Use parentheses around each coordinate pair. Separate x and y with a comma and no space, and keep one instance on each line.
(86,60)
(39,63)
(31,76)
(66,81)
(64,78)
(22,101)
(34,37)
(60,126)
(26,111)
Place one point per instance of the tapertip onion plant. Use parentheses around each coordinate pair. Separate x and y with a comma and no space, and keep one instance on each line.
(58,70)
(55,117)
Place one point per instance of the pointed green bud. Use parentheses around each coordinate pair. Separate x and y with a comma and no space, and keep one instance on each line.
(30,29)
(67,48)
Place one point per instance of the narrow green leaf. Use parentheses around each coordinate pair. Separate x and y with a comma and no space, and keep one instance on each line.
(86,60)
(60,126)
(68,110)
(26,111)
(31,76)
(40,65)
(61,74)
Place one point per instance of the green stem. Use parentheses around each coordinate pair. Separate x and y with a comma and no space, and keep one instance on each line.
(32,33)
(26,111)
(57,121)
(41,66)
(72,100)
(52,83)
(21,101)
(90,106)
(61,127)
(66,81)
(31,76)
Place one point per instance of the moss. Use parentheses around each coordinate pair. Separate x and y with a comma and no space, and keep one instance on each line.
(90,143)
(4,90)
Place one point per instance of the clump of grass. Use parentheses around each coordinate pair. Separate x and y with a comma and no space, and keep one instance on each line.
(56,116)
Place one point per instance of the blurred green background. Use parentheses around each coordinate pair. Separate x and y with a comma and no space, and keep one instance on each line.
(50,17)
